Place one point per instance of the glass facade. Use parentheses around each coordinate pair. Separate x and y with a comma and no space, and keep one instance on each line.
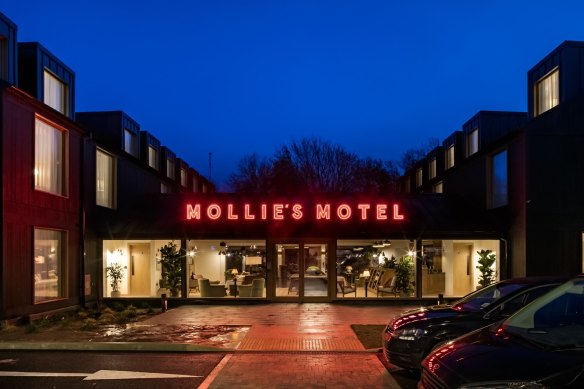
(49,257)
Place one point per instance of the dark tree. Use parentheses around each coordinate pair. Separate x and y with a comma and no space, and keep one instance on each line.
(411,156)
(253,175)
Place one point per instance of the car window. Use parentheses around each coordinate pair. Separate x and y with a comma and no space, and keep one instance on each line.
(518,302)
(484,297)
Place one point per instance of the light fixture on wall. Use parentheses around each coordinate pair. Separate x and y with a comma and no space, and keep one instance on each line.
(386,243)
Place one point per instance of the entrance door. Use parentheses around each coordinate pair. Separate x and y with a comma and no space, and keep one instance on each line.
(139,270)
(302,273)
(462,269)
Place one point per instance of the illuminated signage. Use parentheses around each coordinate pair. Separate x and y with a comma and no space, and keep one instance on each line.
(293,211)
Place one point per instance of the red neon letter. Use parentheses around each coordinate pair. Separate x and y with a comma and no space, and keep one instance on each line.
(396,215)
(297,211)
(381,211)
(247,214)
(213,211)
(264,211)
(193,212)
(230,214)
(323,212)
(364,208)
(278,209)
(344,212)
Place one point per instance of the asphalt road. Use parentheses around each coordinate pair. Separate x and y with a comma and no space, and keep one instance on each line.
(71,370)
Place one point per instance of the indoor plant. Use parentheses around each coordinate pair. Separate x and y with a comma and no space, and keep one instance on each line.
(115,272)
(486,261)
(404,272)
(171,263)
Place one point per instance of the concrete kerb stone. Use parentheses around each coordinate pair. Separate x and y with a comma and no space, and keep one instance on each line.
(112,346)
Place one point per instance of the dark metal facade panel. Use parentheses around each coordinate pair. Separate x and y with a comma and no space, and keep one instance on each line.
(33,59)
(493,125)
(8,44)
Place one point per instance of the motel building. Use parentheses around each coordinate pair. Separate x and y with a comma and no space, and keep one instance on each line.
(86,191)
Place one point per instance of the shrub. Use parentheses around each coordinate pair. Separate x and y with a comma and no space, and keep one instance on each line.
(89,324)
(486,261)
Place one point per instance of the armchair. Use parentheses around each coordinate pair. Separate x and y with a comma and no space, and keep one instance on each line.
(255,289)
(345,289)
(389,287)
(208,290)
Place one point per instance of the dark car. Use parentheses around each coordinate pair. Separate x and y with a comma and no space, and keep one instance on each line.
(408,338)
(541,346)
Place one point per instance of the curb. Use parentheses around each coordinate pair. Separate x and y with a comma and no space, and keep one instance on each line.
(113,346)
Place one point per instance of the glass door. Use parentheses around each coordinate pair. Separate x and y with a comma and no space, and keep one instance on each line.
(302,272)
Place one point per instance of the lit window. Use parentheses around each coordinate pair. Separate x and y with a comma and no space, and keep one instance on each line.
(49,265)
(131,143)
(547,92)
(55,93)
(449,157)
(49,158)
(104,175)
(152,157)
(183,177)
(438,187)
(170,168)
(472,142)
(499,179)
(432,169)
(419,177)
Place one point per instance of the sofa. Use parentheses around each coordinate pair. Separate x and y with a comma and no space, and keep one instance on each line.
(211,290)
(255,289)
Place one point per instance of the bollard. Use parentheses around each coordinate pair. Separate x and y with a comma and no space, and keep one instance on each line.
(440,298)
(164,302)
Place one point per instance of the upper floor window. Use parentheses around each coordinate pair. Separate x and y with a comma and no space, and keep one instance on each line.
(498,179)
(165,188)
(547,92)
(50,158)
(407,185)
(438,187)
(49,265)
(104,176)
(204,188)
(152,157)
(195,184)
(449,157)
(432,168)
(55,92)
(170,168)
(183,177)
(419,177)
(472,142)
(131,143)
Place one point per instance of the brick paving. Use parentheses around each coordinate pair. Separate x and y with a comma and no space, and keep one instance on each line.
(293,345)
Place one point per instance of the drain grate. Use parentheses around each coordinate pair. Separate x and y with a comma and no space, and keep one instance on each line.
(300,344)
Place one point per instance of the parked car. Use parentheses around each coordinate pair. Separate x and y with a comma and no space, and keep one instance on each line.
(408,338)
(541,346)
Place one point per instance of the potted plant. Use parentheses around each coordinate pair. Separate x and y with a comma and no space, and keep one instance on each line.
(404,272)
(171,264)
(486,261)
(115,272)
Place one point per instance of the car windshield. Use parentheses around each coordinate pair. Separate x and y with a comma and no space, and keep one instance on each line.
(482,298)
(554,321)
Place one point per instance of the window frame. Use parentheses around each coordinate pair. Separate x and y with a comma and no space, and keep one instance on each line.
(134,143)
(113,176)
(170,168)
(155,152)
(63,288)
(449,159)
(65,152)
(437,185)
(491,185)
(432,165)
(419,177)
(472,139)
(65,99)
(537,96)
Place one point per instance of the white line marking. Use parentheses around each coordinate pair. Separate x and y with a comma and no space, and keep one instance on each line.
(98,375)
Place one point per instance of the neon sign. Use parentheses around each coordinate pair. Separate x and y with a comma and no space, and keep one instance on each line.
(293,211)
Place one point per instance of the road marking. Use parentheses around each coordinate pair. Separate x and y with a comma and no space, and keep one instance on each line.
(98,375)
(8,361)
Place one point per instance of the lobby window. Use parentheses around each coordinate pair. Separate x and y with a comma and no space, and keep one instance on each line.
(49,265)
(419,177)
(499,185)
(547,92)
(183,177)
(170,168)
(105,179)
(437,188)
(152,157)
(472,142)
(449,157)
(50,158)
(432,169)
(131,143)
(55,92)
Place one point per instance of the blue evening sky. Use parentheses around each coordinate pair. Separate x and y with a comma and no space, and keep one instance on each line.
(237,77)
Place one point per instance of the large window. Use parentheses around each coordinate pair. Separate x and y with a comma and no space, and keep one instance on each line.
(170,168)
(152,157)
(499,185)
(55,92)
(449,157)
(432,168)
(131,143)
(472,142)
(105,179)
(547,92)
(49,265)
(50,158)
